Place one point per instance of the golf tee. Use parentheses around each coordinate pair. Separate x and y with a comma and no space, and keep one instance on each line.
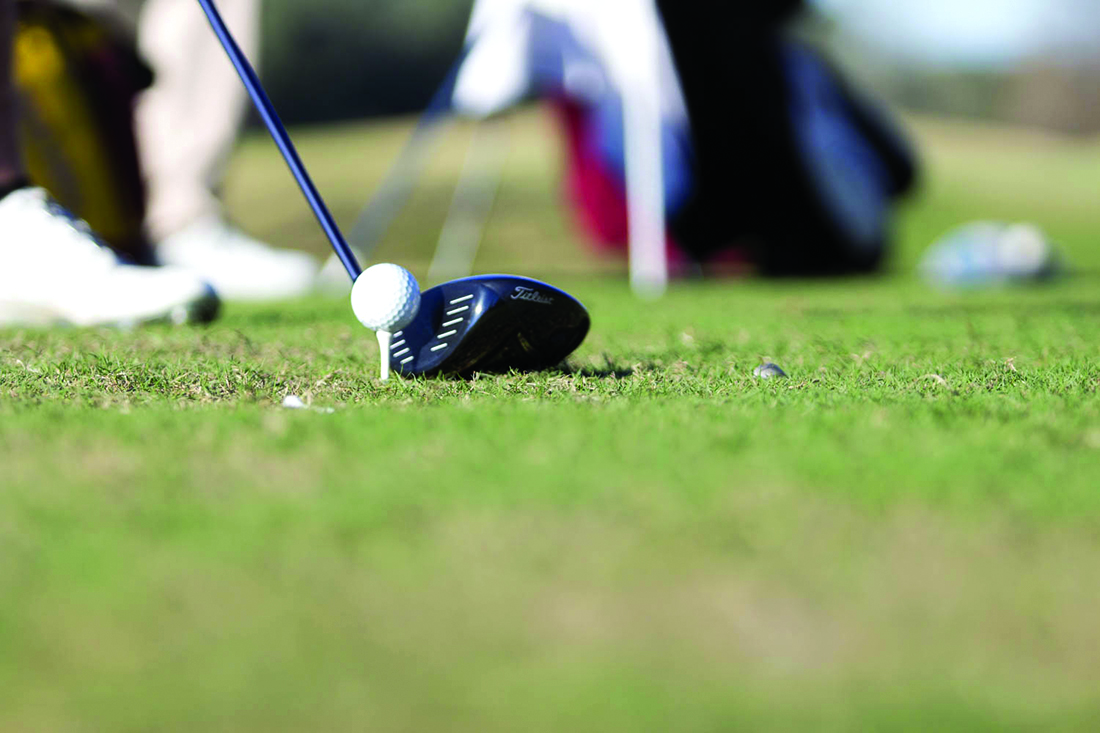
(384,338)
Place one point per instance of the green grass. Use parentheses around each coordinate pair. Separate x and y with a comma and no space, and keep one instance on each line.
(904,535)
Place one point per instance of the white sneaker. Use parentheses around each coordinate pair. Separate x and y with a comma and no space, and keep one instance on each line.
(54,270)
(239,267)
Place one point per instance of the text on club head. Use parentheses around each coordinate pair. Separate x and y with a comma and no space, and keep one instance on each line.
(531,295)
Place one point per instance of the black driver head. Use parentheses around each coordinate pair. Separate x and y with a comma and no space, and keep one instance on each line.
(490,323)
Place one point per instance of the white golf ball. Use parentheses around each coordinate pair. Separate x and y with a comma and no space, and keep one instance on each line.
(385,298)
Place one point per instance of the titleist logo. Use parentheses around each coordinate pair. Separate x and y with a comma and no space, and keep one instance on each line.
(531,295)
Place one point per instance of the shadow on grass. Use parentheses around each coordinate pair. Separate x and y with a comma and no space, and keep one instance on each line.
(611,371)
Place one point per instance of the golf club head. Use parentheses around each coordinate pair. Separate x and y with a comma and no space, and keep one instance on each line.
(489,323)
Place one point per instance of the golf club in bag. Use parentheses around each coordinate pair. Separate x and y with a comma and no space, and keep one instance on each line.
(490,323)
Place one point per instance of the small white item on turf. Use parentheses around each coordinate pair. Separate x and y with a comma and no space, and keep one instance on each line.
(385,298)
(293,402)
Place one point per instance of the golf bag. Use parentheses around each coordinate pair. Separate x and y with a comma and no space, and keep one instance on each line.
(791,163)
(77,82)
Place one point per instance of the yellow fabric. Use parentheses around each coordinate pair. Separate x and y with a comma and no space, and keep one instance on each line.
(71,141)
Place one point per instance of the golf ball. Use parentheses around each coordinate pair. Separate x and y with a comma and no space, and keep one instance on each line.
(385,298)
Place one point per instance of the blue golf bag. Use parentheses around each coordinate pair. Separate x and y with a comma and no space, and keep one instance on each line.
(792,164)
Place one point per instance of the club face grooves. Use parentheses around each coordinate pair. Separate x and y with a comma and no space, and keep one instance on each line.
(491,324)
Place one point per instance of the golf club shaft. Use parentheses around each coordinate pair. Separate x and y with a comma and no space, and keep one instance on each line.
(282,138)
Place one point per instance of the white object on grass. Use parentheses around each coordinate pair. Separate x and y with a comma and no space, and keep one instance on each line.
(385,299)
(293,402)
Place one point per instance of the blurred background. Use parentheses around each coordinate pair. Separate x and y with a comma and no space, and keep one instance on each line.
(1026,62)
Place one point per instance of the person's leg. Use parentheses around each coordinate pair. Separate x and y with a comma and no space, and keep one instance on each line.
(188,122)
(187,125)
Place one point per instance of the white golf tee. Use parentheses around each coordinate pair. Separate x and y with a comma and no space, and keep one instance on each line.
(384,339)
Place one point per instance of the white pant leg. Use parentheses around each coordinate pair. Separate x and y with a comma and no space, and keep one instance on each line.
(187,123)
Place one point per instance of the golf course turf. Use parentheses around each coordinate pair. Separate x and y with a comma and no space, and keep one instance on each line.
(903,535)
